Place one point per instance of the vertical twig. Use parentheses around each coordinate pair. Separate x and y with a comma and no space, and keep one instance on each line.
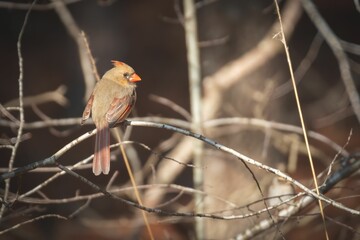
(91,58)
(216,86)
(133,182)
(194,71)
(73,29)
(21,107)
(283,39)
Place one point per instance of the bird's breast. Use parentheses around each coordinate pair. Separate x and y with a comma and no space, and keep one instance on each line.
(104,94)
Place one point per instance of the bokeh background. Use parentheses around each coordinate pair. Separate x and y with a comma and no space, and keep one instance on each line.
(148,36)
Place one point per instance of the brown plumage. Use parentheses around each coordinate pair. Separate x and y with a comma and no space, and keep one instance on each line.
(110,103)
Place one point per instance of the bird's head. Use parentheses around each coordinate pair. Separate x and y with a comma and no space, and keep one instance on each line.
(122,74)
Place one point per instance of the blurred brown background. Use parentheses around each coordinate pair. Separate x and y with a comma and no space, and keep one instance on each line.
(148,36)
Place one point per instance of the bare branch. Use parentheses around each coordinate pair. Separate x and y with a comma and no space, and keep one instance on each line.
(33,220)
(186,125)
(335,45)
(38,7)
(21,108)
(52,96)
(52,160)
(194,75)
(246,159)
(172,105)
(302,68)
(76,34)
(216,86)
(351,165)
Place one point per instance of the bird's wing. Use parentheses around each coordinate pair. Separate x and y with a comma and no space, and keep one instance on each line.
(120,108)
(87,111)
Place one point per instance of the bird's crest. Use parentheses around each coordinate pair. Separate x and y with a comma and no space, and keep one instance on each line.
(117,63)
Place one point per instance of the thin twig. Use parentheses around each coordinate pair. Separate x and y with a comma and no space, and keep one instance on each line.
(47,161)
(337,154)
(335,45)
(245,158)
(334,117)
(45,118)
(7,114)
(80,209)
(241,157)
(283,37)
(21,107)
(33,220)
(352,165)
(52,178)
(350,47)
(133,182)
(44,124)
(119,190)
(276,126)
(52,96)
(172,105)
(216,86)
(38,7)
(75,32)
(214,42)
(194,75)
(92,60)
(186,125)
(302,68)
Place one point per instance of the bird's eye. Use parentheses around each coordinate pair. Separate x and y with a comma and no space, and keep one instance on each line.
(127,75)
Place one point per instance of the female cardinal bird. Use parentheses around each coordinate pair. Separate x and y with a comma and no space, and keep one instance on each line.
(110,103)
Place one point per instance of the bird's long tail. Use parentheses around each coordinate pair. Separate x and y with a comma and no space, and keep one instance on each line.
(101,162)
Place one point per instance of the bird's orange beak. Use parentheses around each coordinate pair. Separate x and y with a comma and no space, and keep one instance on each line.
(134,78)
